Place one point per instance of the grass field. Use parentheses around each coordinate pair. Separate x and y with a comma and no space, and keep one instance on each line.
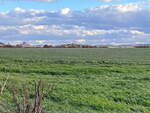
(85,80)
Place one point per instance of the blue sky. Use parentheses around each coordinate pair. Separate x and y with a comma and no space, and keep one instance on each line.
(97,22)
(58,4)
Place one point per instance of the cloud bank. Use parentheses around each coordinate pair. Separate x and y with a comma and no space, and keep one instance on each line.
(106,24)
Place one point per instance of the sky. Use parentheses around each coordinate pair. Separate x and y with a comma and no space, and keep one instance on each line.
(57,5)
(96,22)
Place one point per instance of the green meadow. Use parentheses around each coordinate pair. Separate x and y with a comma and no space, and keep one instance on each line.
(85,80)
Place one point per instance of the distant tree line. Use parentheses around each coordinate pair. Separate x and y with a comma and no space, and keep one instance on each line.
(72,45)
(142,46)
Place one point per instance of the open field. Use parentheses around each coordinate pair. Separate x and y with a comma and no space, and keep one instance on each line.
(85,80)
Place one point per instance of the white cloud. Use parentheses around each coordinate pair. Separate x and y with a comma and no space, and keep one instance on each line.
(128,23)
(40,41)
(128,7)
(45,0)
(19,10)
(65,11)
(107,0)
(80,41)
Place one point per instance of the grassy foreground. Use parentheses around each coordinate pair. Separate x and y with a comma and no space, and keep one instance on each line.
(85,80)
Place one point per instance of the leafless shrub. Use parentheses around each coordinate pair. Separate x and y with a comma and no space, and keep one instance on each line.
(24,103)
(28,106)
